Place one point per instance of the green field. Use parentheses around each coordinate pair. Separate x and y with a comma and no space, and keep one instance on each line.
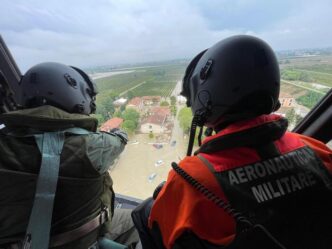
(302,78)
(322,68)
(143,81)
(292,90)
(153,88)
(306,79)
(317,63)
(158,80)
(305,75)
(308,71)
(122,82)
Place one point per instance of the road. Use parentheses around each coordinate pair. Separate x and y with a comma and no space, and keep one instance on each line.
(177,89)
(304,87)
(124,92)
(177,133)
(108,74)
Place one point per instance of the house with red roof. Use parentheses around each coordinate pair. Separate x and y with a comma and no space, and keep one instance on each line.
(111,124)
(155,123)
(161,110)
(135,103)
(156,119)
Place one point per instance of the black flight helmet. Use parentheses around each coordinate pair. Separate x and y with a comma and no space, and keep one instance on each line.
(236,79)
(62,86)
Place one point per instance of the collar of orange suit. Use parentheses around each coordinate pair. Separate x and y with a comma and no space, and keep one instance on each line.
(253,132)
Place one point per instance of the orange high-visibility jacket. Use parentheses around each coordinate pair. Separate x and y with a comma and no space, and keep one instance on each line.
(179,207)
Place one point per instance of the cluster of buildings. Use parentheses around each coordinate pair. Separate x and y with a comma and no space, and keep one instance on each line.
(157,119)
(287,102)
(154,118)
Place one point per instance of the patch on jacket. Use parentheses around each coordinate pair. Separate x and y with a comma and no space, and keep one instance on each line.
(274,178)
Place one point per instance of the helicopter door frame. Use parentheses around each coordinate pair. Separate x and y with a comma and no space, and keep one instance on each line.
(318,122)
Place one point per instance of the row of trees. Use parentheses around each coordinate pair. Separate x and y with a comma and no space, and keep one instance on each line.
(293,118)
(310,99)
(185,118)
(106,110)
(173,105)
(131,120)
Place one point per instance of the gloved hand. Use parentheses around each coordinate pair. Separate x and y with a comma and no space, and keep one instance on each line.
(121,134)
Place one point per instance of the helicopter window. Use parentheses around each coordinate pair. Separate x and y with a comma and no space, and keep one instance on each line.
(137,53)
(329,144)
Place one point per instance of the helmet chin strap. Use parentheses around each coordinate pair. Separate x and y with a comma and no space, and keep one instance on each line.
(199,119)
(192,135)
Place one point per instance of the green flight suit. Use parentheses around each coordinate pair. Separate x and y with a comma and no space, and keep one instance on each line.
(84,185)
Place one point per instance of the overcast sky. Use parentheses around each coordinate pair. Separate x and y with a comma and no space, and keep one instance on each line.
(107,32)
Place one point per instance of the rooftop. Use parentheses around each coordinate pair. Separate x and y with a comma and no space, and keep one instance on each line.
(111,124)
(151,97)
(135,101)
(161,110)
(154,119)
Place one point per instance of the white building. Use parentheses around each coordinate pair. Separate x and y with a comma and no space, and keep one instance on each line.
(154,123)
(120,102)
(181,100)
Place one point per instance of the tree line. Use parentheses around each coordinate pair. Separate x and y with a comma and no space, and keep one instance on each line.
(106,110)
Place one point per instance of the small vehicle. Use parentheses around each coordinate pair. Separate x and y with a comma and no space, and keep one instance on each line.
(152,176)
(135,142)
(159,163)
(173,143)
(158,146)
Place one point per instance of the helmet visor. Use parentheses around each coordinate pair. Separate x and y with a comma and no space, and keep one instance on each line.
(186,79)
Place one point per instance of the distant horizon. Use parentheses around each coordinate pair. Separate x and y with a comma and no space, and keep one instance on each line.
(150,63)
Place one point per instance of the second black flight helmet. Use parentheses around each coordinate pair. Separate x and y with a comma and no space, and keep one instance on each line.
(237,78)
(62,86)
